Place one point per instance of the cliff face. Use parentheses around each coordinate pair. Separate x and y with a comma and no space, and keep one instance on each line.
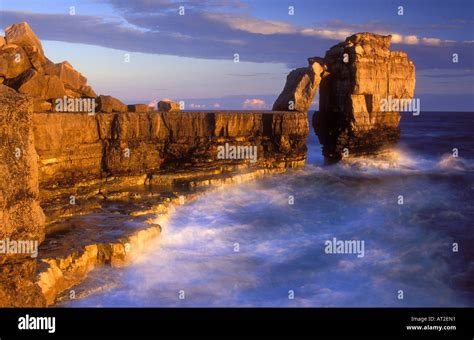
(21,217)
(79,147)
(362,72)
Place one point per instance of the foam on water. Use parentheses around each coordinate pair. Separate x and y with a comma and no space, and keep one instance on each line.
(281,246)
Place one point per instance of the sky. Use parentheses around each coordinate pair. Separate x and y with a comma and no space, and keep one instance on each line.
(144,50)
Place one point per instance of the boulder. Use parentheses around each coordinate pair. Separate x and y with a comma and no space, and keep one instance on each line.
(13,61)
(21,34)
(168,106)
(69,76)
(87,91)
(37,59)
(110,104)
(138,108)
(300,88)
(22,52)
(54,88)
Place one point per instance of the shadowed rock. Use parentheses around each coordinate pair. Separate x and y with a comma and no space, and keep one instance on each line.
(300,88)
(110,104)
(138,108)
(168,106)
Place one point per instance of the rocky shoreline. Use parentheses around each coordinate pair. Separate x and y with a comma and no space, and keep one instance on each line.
(72,249)
(56,166)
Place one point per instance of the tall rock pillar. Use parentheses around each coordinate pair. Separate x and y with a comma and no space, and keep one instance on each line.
(363,74)
(21,217)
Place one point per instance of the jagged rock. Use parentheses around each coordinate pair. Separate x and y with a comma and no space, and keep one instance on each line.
(87,91)
(110,104)
(21,34)
(13,61)
(30,82)
(37,59)
(23,55)
(362,72)
(2,41)
(168,106)
(69,76)
(138,108)
(300,88)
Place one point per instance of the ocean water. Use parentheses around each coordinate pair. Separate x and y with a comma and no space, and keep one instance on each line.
(245,245)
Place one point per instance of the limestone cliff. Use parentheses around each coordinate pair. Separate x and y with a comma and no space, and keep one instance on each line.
(77,147)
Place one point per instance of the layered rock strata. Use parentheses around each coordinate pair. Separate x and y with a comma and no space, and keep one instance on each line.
(356,77)
(78,147)
(363,73)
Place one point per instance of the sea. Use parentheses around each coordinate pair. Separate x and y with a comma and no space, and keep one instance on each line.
(265,243)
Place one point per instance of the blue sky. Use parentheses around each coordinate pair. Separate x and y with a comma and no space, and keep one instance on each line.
(191,57)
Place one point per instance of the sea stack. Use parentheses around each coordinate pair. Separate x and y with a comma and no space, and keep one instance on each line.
(356,77)
(362,74)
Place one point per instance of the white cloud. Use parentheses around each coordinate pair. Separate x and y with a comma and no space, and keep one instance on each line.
(254,103)
(252,25)
(411,40)
(328,34)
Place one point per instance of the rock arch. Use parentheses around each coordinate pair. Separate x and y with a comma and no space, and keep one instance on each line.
(354,77)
